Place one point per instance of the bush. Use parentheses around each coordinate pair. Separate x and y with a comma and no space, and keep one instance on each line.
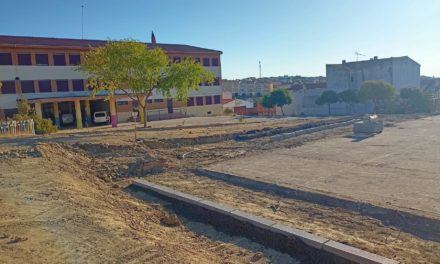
(415,100)
(44,126)
(228,111)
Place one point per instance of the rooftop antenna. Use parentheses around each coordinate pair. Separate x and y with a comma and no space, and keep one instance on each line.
(82,21)
(259,66)
(358,54)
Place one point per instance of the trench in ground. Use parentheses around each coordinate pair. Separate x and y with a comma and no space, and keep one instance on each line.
(216,226)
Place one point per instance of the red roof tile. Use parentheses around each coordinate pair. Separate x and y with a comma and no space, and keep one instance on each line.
(84,43)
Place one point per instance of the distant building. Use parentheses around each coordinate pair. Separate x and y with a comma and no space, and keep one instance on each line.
(248,107)
(304,96)
(249,87)
(400,72)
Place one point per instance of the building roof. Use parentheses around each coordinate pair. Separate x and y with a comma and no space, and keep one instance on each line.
(363,63)
(297,87)
(85,43)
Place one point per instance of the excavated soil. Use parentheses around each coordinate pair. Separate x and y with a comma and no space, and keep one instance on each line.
(57,207)
(62,199)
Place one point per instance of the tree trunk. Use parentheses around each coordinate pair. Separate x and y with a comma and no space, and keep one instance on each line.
(144,110)
(282,111)
(329,111)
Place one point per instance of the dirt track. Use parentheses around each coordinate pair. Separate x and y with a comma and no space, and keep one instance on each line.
(69,204)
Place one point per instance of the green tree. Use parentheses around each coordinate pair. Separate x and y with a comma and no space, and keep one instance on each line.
(415,100)
(349,97)
(278,97)
(376,91)
(328,97)
(266,101)
(137,70)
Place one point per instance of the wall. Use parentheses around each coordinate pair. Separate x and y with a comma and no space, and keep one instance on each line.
(406,73)
(204,109)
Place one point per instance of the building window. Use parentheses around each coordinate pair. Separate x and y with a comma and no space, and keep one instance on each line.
(134,104)
(206,62)
(121,103)
(216,81)
(197,60)
(27,87)
(62,86)
(208,100)
(5,58)
(190,101)
(9,113)
(78,85)
(214,62)
(42,59)
(45,86)
(199,100)
(217,99)
(59,59)
(176,59)
(74,59)
(8,87)
(158,100)
(24,59)
(149,101)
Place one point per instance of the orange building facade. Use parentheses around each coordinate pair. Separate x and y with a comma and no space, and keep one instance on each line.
(44,71)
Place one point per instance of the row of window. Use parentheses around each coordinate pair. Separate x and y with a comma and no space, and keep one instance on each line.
(192,101)
(198,100)
(44,86)
(205,61)
(59,59)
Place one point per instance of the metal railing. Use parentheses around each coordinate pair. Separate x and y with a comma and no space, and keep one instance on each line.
(14,128)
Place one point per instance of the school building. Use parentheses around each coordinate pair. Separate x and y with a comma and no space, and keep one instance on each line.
(44,71)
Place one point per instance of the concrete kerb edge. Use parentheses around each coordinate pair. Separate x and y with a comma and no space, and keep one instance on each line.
(317,242)
(165,191)
(312,130)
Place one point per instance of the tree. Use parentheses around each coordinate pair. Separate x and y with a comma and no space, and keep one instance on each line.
(415,100)
(278,97)
(328,97)
(266,102)
(136,70)
(349,97)
(376,91)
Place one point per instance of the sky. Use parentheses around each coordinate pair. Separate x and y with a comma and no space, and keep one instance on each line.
(289,37)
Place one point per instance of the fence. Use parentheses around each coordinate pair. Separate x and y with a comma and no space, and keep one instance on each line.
(14,128)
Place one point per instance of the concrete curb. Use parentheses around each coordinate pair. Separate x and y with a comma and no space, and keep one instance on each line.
(334,248)
(423,227)
(312,130)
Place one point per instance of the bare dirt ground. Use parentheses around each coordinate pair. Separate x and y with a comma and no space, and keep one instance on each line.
(62,198)
(337,224)
(60,203)
(168,129)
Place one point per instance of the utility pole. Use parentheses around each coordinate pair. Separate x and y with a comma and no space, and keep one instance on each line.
(82,21)
(259,65)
